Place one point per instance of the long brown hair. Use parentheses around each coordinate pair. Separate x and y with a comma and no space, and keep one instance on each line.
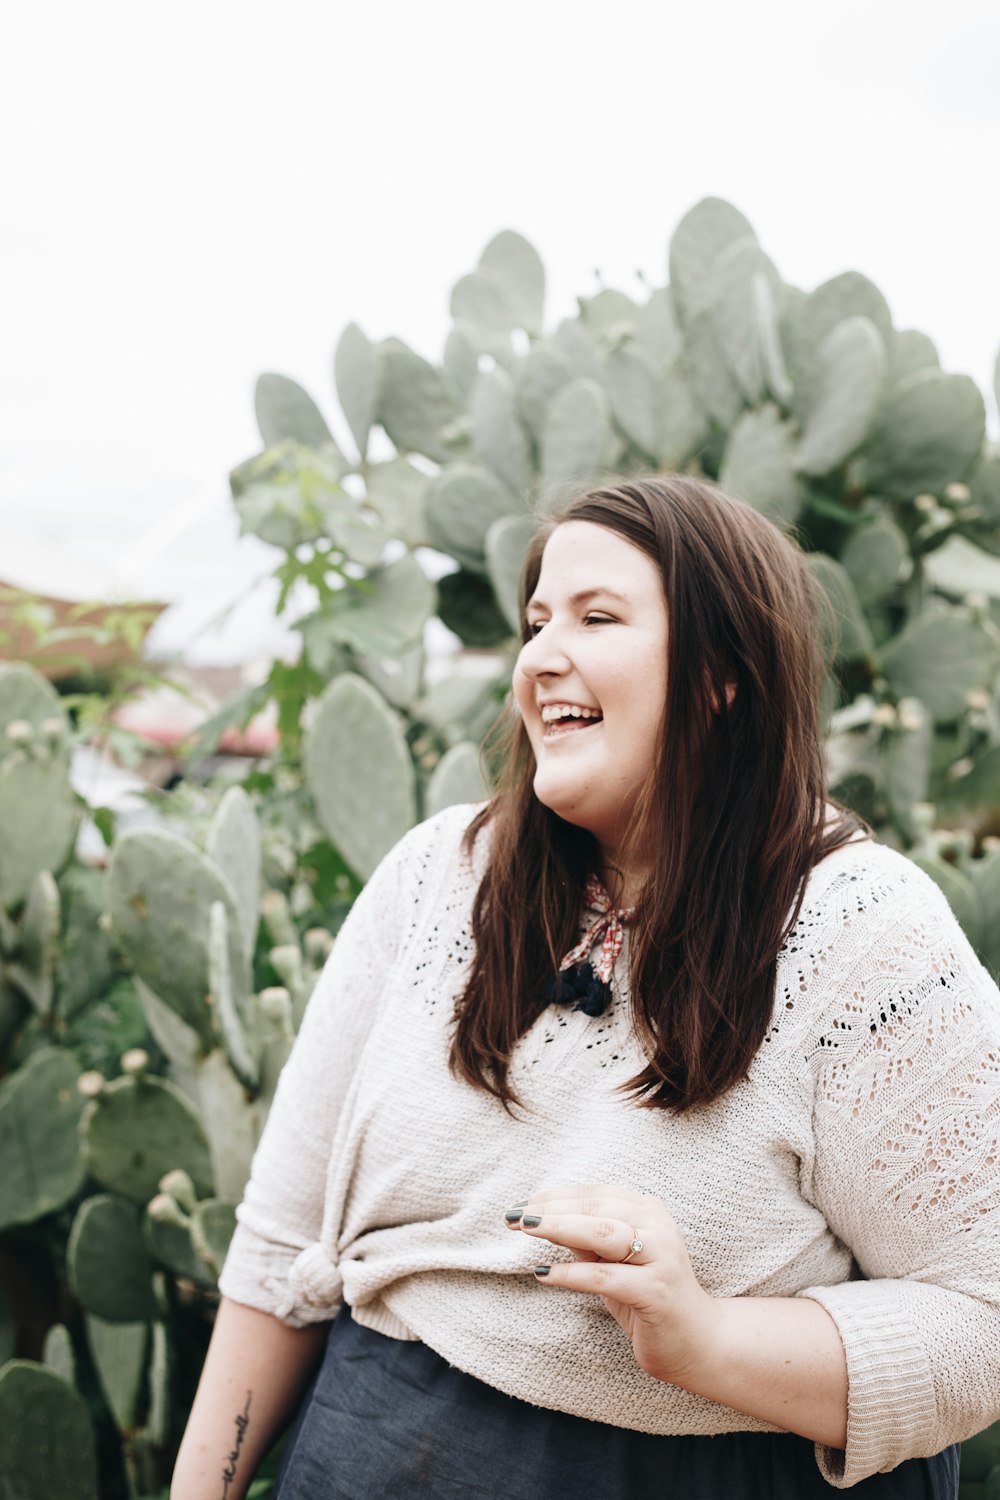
(734,805)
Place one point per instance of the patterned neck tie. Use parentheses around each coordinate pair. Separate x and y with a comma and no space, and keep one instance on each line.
(589,988)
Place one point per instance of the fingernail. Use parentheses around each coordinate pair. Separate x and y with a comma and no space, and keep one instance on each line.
(513,1214)
(542,1270)
(531,1221)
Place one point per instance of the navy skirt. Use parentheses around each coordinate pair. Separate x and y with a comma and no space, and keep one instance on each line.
(387,1419)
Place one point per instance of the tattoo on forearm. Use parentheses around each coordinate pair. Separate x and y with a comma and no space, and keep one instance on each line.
(229,1472)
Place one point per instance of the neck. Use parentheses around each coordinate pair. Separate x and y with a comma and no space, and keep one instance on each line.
(622,886)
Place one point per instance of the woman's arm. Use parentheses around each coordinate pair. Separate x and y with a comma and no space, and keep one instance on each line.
(780,1359)
(255,1371)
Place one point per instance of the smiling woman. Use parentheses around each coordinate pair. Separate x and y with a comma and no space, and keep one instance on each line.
(640,1135)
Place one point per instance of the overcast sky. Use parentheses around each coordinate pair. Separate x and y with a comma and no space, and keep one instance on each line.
(196,193)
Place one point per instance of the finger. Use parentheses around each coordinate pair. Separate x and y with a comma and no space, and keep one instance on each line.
(610,1238)
(617,1283)
(598,1200)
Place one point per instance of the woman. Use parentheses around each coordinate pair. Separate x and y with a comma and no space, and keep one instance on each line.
(642,1126)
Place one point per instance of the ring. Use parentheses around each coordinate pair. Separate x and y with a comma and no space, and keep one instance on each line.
(634,1248)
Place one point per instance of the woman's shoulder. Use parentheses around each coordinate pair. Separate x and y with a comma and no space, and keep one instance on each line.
(875,942)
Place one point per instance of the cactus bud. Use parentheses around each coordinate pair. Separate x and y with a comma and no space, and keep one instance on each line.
(277,918)
(978,699)
(178,1185)
(926,503)
(884,715)
(90,1084)
(273,999)
(105,923)
(166,1210)
(958,493)
(318,944)
(52,729)
(959,768)
(911,714)
(135,1062)
(19,731)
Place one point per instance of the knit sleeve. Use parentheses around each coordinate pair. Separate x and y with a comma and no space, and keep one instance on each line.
(907,1174)
(276,1261)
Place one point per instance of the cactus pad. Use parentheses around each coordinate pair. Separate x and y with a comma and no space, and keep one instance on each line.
(136,1131)
(47,1451)
(108,1265)
(39,1147)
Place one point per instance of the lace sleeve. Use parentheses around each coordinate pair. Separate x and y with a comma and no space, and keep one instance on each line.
(907,1174)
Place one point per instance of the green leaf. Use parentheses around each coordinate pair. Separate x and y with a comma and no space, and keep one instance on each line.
(767,337)
(500,440)
(396,490)
(632,381)
(468,607)
(506,546)
(40,1108)
(609,314)
(457,778)
(910,351)
(537,377)
(515,265)
(161,891)
(108,1264)
(656,328)
(942,656)
(849,380)
(360,772)
(876,557)
(758,465)
(807,321)
(731,308)
(136,1131)
(48,1443)
(459,366)
(460,505)
(356,373)
(119,1351)
(576,433)
(851,632)
(285,410)
(414,403)
(703,234)
(960,567)
(481,310)
(683,426)
(929,432)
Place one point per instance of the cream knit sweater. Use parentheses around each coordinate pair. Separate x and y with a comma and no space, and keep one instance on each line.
(858,1163)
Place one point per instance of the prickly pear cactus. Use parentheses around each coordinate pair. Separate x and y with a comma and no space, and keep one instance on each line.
(47,1452)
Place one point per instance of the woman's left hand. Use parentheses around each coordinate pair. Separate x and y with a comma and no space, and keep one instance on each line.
(671,1321)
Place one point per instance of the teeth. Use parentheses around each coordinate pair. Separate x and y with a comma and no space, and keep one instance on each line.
(555,711)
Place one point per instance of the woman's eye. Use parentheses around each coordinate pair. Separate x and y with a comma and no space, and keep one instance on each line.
(534,626)
(598,619)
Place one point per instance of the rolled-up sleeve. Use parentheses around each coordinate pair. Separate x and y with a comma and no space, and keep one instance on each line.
(907,1175)
(275,1261)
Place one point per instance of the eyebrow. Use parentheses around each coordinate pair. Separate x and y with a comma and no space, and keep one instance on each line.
(582,596)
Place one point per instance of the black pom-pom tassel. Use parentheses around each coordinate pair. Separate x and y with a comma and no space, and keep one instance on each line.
(580,988)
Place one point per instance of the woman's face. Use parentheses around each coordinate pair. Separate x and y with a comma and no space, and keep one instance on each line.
(598,623)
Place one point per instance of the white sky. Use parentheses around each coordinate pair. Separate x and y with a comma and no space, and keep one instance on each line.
(194,193)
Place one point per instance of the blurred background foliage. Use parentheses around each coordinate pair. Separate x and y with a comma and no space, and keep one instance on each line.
(148,998)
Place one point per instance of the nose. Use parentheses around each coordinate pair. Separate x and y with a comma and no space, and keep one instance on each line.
(542,655)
